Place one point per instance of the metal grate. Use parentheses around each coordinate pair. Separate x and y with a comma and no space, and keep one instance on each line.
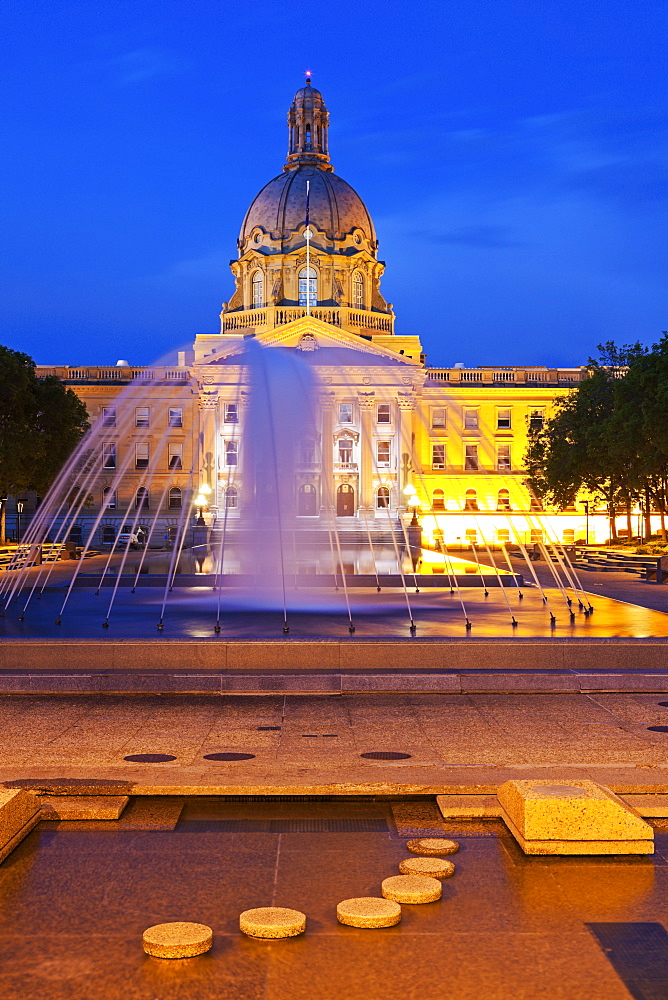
(386,755)
(150,758)
(658,729)
(229,756)
(638,952)
(312,825)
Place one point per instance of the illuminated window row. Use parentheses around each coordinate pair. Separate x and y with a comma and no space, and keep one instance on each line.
(471,418)
(142,416)
(471,457)
(173,458)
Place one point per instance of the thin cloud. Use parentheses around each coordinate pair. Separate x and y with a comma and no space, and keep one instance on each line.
(142,64)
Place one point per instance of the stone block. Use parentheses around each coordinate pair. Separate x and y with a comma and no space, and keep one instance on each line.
(19,813)
(469,806)
(82,807)
(654,806)
(558,812)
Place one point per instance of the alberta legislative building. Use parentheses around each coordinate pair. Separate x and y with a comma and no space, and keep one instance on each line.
(395,434)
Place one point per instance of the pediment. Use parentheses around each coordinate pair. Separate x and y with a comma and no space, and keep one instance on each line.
(326,335)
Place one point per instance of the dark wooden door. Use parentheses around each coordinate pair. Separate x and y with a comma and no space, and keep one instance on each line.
(345,501)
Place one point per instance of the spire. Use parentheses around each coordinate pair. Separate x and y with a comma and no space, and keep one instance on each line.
(308,122)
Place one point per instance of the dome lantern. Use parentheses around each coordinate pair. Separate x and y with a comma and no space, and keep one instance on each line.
(308,123)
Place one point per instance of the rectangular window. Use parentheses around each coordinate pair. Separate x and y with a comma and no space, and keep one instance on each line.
(175,456)
(345,413)
(438,456)
(503,457)
(108,456)
(471,420)
(438,418)
(536,535)
(231,453)
(307,450)
(345,451)
(536,420)
(142,416)
(108,416)
(231,413)
(503,535)
(383,453)
(142,455)
(569,536)
(471,458)
(109,498)
(383,413)
(503,420)
(175,416)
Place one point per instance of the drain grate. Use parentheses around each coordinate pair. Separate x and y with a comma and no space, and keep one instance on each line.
(663,704)
(150,758)
(658,729)
(385,755)
(638,952)
(313,825)
(229,756)
(268,729)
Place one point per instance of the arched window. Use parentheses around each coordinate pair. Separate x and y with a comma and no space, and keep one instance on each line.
(503,502)
(109,498)
(257,290)
(471,500)
(382,497)
(438,500)
(76,534)
(175,498)
(308,287)
(358,291)
(108,534)
(142,498)
(308,137)
(231,498)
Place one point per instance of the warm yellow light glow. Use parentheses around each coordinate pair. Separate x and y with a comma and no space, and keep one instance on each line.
(205,489)
(410,491)
(200,500)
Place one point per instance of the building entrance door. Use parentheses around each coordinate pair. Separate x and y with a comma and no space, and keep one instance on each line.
(306,503)
(345,501)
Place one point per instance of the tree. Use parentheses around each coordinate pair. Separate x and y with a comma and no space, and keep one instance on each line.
(585,445)
(41,421)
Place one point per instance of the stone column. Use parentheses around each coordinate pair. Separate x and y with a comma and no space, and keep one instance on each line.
(207,471)
(366,402)
(327,497)
(405,405)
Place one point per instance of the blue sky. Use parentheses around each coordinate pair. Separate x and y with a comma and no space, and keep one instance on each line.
(512,154)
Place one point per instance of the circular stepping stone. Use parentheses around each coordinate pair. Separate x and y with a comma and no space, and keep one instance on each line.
(272,922)
(412,889)
(433,846)
(177,940)
(368,911)
(433,867)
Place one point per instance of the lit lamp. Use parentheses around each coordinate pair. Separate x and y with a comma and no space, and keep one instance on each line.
(201,502)
(413,504)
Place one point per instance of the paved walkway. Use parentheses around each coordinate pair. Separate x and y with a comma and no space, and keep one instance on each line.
(315,743)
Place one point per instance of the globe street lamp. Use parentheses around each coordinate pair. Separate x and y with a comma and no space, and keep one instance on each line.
(414,504)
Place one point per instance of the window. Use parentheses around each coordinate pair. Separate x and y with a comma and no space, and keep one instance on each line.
(307,451)
(307,500)
(231,498)
(383,413)
(108,534)
(345,451)
(175,498)
(535,503)
(108,456)
(438,456)
(471,458)
(308,287)
(471,536)
(108,416)
(503,500)
(172,533)
(142,454)
(109,498)
(471,420)
(175,416)
(438,418)
(503,535)
(76,534)
(257,291)
(231,453)
(231,413)
(536,420)
(503,420)
(569,536)
(142,498)
(438,500)
(536,535)
(503,457)
(175,456)
(358,291)
(382,498)
(142,416)
(383,453)
(471,500)
(345,413)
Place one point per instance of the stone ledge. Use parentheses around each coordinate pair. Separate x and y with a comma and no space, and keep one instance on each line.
(82,807)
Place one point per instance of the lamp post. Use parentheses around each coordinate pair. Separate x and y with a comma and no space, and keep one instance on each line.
(414,531)
(201,501)
(585,504)
(413,504)
(19,511)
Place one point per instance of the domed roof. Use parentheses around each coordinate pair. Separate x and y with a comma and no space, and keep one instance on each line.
(334,207)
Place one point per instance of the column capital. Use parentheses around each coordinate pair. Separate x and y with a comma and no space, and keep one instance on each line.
(366,400)
(208,400)
(405,401)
